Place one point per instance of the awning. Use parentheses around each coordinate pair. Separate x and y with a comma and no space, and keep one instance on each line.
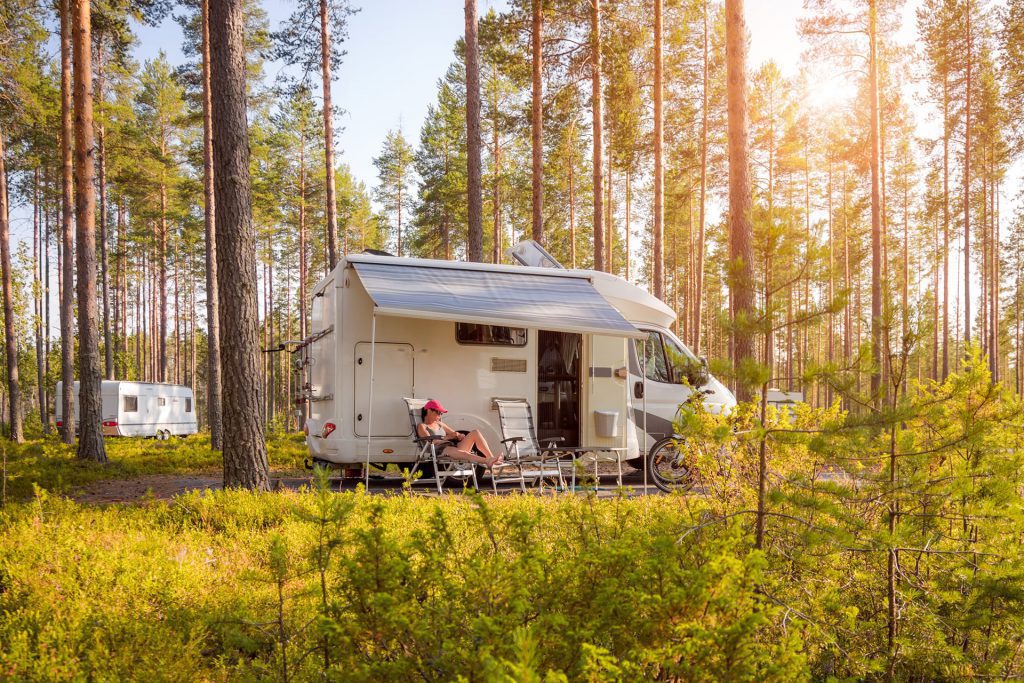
(560,302)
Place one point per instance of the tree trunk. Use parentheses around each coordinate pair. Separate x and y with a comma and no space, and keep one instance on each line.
(38,218)
(90,401)
(474,182)
(213,386)
(538,123)
(967,188)
(328,114)
(740,227)
(945,226)
(657,255)
(245,451)
(67,300)
(598,124)
(698,299)
(10,335)
(108,349)
(877,349)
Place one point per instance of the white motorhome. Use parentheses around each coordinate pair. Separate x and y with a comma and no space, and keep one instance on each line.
(147,409)
(570,342)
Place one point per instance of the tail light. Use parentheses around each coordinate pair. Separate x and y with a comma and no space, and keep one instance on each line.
(60,423)
(328,430)
(110,423)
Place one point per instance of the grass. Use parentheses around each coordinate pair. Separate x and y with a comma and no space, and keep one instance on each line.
(54,466)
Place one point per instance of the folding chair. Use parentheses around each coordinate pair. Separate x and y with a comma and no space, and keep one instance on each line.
(427,452)
(523,448)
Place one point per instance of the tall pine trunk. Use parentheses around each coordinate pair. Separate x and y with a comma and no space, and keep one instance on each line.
(10,335)
(698,299)
(537,122)
(657,254)
(108,349)
(67,300)
(877,349)
(245,450)
(90,402)
(328,115)
(598,125)
(474,182)
(967,188)
(741,252)
(213,386)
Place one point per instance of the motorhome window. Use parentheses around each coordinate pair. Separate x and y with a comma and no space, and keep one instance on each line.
(680,359)
(490,335)
(651,352)
(131,404)
(188,405)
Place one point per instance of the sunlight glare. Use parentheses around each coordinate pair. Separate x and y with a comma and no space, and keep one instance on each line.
(832,93)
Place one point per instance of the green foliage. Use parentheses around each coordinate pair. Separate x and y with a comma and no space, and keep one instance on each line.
(224,585)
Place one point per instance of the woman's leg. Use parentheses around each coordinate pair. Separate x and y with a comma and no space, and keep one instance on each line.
(459,454)
(475,438)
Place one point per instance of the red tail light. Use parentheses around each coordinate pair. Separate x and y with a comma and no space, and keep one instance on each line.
(110,423)
(60,423)
(327,430)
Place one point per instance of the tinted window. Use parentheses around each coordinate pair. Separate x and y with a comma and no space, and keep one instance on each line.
(130,404)
(161,401)
(492,335)
(188,405)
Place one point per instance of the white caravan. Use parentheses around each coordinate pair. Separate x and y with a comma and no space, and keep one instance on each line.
(141,409)
(567,341)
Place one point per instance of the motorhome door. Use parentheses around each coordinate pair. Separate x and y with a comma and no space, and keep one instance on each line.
(558,386)
(659,356)
(391,366)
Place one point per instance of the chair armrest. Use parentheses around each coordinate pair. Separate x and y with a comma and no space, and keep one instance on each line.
(553,440)
(513,439)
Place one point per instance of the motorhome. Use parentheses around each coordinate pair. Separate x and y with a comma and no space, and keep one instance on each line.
(147,409)
(570,342)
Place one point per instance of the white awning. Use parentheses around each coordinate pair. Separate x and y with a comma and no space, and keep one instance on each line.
(560,301)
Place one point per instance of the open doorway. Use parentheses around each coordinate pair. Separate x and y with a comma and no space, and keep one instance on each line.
(558,386)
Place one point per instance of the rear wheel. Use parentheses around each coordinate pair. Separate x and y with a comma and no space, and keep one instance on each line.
(668,466)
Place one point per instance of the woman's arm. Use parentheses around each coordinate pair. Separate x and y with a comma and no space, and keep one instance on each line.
(421,431)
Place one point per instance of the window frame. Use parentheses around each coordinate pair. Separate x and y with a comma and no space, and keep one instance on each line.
(490,341)
(124,403)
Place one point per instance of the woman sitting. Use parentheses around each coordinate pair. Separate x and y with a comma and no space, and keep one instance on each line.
(461,445)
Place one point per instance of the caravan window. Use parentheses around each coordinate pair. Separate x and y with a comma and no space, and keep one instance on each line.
(651,352)
(188,405)
(490,335)
(130,404)
(161,401)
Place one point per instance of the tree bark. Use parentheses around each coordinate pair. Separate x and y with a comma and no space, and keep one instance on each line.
(698,299)
(474,184)
(245,450)
(658,255)
(538,122)
(10,335)
(740,228)
(328,114)
(967,188)
(877,349)
(108,349)
(598,125)
(67,301)
(90,402)
(213,386)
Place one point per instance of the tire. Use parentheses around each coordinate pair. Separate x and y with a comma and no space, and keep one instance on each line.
(667,466)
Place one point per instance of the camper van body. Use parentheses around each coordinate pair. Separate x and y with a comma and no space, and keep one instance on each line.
(363,356)
(141,409)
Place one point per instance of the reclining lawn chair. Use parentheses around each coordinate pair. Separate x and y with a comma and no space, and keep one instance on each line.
(429,453)
(524,450)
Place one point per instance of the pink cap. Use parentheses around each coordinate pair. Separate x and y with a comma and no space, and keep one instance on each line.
(434,405)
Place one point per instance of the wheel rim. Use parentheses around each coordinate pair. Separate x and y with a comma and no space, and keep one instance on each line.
(669,467)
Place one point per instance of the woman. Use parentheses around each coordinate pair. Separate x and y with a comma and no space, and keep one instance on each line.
(462,445)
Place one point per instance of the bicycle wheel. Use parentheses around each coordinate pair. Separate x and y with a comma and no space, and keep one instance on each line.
(667,466)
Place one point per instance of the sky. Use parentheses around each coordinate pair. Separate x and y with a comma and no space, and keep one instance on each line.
(398,49)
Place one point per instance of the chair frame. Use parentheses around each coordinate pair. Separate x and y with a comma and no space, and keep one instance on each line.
(543,452)
(444,467)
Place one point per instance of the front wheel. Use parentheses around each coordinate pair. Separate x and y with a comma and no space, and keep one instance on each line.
(668,466)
